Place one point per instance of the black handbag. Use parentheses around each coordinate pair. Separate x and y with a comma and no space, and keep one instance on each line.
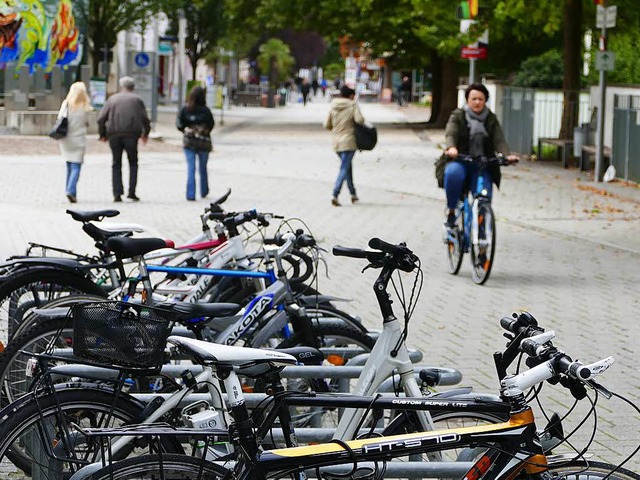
(366,136)
(61,128)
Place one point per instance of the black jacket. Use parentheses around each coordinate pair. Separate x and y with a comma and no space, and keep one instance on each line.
(199,117)
(457,135)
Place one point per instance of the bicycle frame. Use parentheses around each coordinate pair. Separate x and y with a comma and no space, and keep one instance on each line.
(470,210)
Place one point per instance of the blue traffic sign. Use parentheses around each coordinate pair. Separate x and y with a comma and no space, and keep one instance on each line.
(141,59)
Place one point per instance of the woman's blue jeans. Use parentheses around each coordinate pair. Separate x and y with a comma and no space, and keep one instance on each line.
(203,157)
(455,175)
(73,174)
(345,173)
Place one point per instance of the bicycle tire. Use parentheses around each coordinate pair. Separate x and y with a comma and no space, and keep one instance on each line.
(483,253)
(32,317)
(331,335)
(407,422)
(13,381)
(24,429)
(34,288)
(152,467)
(588,470)
(455,247)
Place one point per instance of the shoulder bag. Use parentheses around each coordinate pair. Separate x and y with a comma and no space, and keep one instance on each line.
(440,165)
(197,138)
(61,127)
(366,136)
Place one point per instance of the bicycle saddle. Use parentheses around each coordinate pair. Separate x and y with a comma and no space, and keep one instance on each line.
(133,247)
(187,311)
(92,215)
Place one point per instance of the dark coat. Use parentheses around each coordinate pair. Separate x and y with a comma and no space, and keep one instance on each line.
(457,135)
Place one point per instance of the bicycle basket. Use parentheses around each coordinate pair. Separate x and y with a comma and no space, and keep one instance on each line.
(120,334)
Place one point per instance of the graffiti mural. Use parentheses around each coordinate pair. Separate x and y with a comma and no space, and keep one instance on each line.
(39,33)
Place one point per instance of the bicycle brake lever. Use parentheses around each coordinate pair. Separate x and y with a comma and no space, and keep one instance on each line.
(599,388)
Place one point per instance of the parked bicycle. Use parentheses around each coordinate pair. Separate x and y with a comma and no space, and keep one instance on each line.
(65,408)
(504,451)
(475,225)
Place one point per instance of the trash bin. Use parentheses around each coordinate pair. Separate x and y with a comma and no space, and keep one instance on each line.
(579,139)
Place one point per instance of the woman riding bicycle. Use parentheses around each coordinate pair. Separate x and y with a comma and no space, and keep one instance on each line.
(471,130)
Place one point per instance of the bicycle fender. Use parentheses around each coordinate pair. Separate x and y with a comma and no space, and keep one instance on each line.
(32,263)
(311,300)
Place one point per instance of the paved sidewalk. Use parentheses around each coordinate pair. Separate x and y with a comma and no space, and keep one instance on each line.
(568,249)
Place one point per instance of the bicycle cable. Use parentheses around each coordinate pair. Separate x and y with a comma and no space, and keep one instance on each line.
(407,308)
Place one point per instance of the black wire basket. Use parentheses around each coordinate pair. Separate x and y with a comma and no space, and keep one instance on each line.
(121,334)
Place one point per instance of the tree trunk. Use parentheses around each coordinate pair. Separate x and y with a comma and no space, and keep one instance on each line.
(572,38)
(436,85)
(271,95)
(448,94)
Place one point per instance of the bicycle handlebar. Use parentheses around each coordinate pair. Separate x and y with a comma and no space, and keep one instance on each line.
(485,160)
(548,362)
(395,256)
(299,239)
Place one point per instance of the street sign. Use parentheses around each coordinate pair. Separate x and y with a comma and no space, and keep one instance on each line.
(606,16)
(141,59)
(605,60)
(474,52)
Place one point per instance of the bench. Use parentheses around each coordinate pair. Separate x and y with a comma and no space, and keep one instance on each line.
(588,151)
(248,99)
(563,148)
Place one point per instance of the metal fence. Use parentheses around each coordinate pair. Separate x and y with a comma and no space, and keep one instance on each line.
(625,148)
(517,118)
(529,114)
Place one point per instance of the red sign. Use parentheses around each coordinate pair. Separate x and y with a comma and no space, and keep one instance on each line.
(474,52)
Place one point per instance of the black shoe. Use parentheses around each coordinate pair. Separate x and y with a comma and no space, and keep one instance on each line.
(117,198)
(72,198)
(132,196)
(451,220)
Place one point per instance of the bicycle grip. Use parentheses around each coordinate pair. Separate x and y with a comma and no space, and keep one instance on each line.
(381,245)
(339,251)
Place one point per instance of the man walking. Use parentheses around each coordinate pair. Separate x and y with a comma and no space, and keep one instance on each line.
(122,121)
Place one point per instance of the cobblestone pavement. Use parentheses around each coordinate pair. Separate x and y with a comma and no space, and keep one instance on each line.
(568,249)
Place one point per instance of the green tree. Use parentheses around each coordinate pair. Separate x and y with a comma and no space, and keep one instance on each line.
(275,58)
(541,71)
(106,18)
(206,26)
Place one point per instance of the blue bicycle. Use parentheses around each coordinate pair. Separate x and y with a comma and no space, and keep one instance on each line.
(475,224)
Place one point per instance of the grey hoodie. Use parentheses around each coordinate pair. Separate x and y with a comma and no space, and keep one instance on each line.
(344,112)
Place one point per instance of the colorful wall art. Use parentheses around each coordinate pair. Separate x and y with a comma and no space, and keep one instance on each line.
(38,33)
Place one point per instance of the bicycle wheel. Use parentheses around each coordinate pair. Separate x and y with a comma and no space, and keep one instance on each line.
(454,239)
(14,383)
(407,422)
(588,470)
(155,467)
(340,343)
(27,290)
(483,252)
(41,426)
(29,320)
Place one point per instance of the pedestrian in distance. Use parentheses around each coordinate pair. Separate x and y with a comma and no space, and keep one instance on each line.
(314,86)
(304,90)
(122,122)
(404,92)
(195,121)
(323,87)
(344,112)
(472,130)
(73,146)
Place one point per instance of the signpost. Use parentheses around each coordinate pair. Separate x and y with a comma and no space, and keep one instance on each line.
(605,18)
(466,12)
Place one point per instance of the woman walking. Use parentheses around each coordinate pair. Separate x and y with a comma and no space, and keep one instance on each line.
(195,121)
(73,146)
(344,112)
